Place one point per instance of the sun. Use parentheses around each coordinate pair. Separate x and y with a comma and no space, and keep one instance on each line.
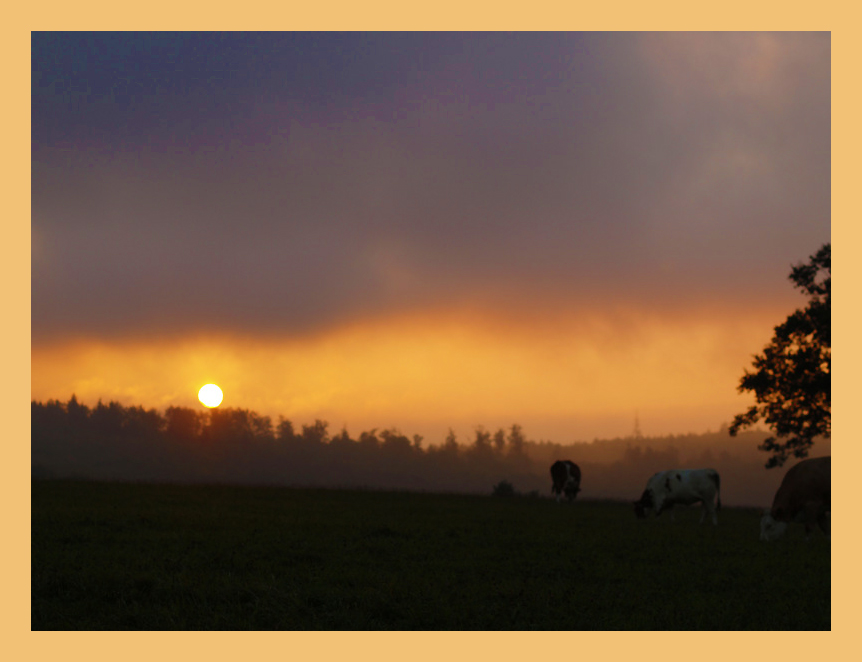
(210,395)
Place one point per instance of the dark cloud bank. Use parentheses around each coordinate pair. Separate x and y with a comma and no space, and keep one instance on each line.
(286,182)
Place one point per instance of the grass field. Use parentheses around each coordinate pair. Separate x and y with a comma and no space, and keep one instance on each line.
(111,556)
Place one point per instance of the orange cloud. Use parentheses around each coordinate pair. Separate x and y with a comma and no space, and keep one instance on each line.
(563,377)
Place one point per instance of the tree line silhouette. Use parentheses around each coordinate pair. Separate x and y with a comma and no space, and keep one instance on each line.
(233,445)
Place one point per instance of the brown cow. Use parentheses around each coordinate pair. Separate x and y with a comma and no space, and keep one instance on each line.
(805,496)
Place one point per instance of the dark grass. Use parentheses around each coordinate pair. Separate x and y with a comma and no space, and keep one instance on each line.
(109,556)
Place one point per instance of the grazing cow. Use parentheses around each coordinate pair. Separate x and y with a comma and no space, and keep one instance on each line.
(567,479)
(805,496)
(685,486)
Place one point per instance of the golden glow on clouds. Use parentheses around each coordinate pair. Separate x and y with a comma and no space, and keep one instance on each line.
(425,373)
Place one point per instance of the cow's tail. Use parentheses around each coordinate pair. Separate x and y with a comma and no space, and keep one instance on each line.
(715,479)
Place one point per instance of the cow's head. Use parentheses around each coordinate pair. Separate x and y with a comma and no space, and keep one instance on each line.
(643,503)
(770,528)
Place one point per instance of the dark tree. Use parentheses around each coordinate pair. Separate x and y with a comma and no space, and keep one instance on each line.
(284,431)
(342,440)
(261,427)
(791,381)
(317,434)
(183,423)
(229,426)
(451,443)
(368,440)
(499,440)
(516,441)
(77,414)
(481,447)
(395,444)
(143,423)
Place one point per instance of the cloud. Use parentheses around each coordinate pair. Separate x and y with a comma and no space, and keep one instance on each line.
(567,375)
(584,171)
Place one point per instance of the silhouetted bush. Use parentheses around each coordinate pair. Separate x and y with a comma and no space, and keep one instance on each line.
(503,488)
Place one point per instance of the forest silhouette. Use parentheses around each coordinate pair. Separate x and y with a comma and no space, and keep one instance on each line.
(239,446)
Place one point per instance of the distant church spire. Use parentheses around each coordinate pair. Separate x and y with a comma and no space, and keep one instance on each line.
(638,434)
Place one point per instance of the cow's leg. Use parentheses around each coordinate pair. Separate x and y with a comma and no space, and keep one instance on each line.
(708,507)
(811,518)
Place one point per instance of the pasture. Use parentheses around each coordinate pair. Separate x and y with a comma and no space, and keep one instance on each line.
(118,556)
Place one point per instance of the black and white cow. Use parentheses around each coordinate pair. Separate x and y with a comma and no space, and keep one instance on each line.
(685,486)
(805,496)
(566,477)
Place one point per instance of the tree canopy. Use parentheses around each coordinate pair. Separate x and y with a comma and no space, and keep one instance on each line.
(791,380)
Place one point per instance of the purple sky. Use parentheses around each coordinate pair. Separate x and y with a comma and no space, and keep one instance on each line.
(287,182)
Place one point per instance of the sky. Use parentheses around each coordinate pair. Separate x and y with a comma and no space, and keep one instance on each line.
(567,231)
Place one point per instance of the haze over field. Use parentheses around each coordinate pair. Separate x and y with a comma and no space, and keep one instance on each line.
(424,231)
(110,442)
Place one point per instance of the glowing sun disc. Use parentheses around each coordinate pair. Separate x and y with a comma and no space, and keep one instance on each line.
(210,395)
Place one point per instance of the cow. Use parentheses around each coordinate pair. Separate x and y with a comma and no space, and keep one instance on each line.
(566,477)
(804,496)
(685,486)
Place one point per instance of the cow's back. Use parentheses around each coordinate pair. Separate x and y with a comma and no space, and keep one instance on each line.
(810,480)
(705,481)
